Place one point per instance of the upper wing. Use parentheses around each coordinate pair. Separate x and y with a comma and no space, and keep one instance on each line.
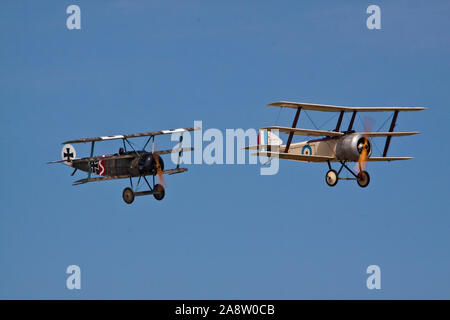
(305,132)
(295,157)
(133,135)
(330,108)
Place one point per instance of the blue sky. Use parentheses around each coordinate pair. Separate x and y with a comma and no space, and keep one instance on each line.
(223,231)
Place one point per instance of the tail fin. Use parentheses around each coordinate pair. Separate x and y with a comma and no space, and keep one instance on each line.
(268,139)
(68,153)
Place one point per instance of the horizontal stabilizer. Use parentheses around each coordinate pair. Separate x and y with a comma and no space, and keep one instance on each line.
(58,161)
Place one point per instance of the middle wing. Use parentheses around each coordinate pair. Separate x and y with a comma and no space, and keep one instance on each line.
(319,133)
(305,132)
(90,159)
(174,150)
(121,156)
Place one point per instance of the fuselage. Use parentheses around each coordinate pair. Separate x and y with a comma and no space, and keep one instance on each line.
(345,148)
(141,163)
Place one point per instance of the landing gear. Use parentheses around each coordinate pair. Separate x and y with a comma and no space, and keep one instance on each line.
(159,192)
(331,178)
(363,179)
(128,195)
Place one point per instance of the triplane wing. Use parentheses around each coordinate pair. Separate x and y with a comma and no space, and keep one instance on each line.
(295,157)
(305,158)
(304,132)
(388,158)
(326,133)
(331,108)
(133,135)
(135,163)
(123,156)
(331,145)
(170,171)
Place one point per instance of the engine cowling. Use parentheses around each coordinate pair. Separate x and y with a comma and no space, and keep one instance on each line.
(147,163)
(349,147)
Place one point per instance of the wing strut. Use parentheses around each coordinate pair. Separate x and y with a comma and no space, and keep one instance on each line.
(294,124)
(391,129)
(350,126)
(181,152)
(338,125)
(92,154)
(148,140)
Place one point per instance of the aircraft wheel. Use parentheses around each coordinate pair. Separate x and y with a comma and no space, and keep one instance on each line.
(331,177)
(363,179)
(128,195)
(161,192)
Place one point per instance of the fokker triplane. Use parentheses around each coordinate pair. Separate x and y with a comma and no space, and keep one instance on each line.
(336,145)
(126,164)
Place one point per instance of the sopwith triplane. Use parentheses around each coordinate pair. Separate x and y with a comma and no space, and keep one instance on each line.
(342,146)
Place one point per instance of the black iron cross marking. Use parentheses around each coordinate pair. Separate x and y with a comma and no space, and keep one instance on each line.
(94,167)
(68,154)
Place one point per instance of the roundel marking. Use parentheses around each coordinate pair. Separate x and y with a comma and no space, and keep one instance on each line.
(306,150)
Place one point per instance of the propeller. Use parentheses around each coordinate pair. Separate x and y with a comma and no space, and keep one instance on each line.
(364,145)
(159,170)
